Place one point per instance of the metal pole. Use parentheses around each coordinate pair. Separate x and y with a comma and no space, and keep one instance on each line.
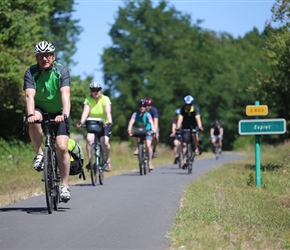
(258,155)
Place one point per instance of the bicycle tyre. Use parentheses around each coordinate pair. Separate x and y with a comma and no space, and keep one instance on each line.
(140,158)
(145,164)
(93,167)
(101,167)
(216,150)
(55,185)
(47,174)
(189,158)
(179,153)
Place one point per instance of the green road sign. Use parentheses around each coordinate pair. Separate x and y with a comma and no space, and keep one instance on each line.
(262,126)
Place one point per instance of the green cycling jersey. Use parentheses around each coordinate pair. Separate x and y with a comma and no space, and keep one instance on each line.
(47,85)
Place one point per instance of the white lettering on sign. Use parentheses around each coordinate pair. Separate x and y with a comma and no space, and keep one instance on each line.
(262,127)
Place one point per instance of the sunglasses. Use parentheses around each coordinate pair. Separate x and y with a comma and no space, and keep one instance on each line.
(95,90)
(46,55)
(142,106)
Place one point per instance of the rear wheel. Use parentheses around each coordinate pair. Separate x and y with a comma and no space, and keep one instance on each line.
(47,176)
(93,167)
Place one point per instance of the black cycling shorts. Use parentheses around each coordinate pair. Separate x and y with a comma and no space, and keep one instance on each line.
(59,128)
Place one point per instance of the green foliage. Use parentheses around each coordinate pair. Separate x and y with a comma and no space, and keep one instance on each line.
(23,24)
(157,52)
(273,86)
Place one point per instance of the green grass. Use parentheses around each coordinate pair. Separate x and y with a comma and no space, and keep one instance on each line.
(223,209)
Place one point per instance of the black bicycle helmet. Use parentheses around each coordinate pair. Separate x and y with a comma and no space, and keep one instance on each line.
(142,103)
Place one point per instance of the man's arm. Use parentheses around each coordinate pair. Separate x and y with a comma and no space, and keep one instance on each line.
(179,121)
(29,99)
(221,131)
(199,124)
(65,98)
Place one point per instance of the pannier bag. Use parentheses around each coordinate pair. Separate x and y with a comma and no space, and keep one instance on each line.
(76,159)
(140,132)
(94,126)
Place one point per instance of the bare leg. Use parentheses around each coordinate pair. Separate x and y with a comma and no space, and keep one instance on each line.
(63,158)
(106,147)
(149,153)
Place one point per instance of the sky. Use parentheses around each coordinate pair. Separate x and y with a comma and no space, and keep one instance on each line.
(236,17)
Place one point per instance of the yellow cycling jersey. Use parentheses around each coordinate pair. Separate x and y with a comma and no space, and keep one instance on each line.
(97,109)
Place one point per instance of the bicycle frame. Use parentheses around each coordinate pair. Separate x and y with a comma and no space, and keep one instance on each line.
(97,162)
(51,176)
(190,155)
(142,156)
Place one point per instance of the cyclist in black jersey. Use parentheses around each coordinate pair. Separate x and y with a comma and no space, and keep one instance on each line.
(47,90)
(188,118)
(217,132)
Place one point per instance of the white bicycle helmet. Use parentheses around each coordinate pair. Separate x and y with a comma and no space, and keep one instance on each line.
(177,111)
(44,47)
(188,100)
(95,85)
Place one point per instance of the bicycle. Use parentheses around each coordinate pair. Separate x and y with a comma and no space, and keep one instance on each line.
(190,154)
(51,175)
(97,163)
(141,133)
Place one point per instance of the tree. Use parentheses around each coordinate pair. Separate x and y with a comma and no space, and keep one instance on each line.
(273,87)
(157,52)
(23,24)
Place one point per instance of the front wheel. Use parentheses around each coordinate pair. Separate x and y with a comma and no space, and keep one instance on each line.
(101,166)
(47,177)
(93,167)
(179,153)
(189,158)
(140,158)
(216,150)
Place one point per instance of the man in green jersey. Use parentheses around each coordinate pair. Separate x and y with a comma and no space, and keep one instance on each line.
(47,90)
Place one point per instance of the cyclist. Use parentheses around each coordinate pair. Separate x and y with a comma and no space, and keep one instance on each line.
(154,113)
(217,131)
(174,136)
(189,117)
(98,105)
(139,119)
(47,90)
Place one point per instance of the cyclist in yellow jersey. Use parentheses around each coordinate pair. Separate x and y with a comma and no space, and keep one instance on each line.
(97,105)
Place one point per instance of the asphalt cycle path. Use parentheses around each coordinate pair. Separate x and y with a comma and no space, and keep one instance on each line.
(128,212)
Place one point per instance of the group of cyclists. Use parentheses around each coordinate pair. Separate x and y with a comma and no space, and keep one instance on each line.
(47,90)
(187,118)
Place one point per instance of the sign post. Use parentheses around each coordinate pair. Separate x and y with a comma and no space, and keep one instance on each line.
(259,127)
